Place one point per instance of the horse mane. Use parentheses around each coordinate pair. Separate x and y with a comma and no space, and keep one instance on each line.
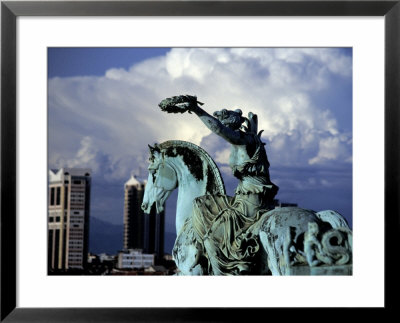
(218,183)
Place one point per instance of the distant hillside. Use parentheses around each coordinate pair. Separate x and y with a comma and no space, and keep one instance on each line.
(107,237)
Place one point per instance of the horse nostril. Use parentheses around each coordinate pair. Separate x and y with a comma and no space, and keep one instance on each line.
(144,206)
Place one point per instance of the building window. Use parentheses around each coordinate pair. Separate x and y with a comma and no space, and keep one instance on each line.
(65,197)
(50,250)
(77,182)
(52,196)
(64,248)
(56,248)
(58,196)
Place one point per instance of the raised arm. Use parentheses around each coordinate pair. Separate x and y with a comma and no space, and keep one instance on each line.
(216,126)
(183,103)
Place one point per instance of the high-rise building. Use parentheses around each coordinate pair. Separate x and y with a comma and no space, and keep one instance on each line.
(133,214)
(141,231)
(68,218)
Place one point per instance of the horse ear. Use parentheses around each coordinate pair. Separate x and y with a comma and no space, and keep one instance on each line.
(154,149)
(151,149)
(153,152)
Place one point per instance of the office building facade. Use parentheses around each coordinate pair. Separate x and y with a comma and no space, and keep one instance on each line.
(68,218)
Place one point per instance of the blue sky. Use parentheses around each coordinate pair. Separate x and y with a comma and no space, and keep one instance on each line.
(103,112)
(78,61)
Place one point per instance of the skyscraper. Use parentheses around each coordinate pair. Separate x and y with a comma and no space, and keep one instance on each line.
(141,231)
(133,214)
(154,233)
(68,217)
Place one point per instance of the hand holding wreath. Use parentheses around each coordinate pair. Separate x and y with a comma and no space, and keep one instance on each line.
(179,104)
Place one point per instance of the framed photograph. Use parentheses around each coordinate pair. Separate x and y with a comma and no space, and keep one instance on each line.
(332,100)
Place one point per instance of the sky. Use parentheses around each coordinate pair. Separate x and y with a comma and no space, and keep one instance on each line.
(103,111)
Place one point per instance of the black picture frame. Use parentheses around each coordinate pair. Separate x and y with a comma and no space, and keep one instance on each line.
(10,10)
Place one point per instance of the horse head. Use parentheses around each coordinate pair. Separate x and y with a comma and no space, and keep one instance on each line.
(162,180)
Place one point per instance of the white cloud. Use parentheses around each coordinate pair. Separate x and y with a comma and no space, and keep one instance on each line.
(333,148)
(222,156)
(107,121)
(105,166)
(86,155)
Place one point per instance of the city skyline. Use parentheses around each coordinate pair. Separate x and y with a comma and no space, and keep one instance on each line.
(68,223)
(104,113)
